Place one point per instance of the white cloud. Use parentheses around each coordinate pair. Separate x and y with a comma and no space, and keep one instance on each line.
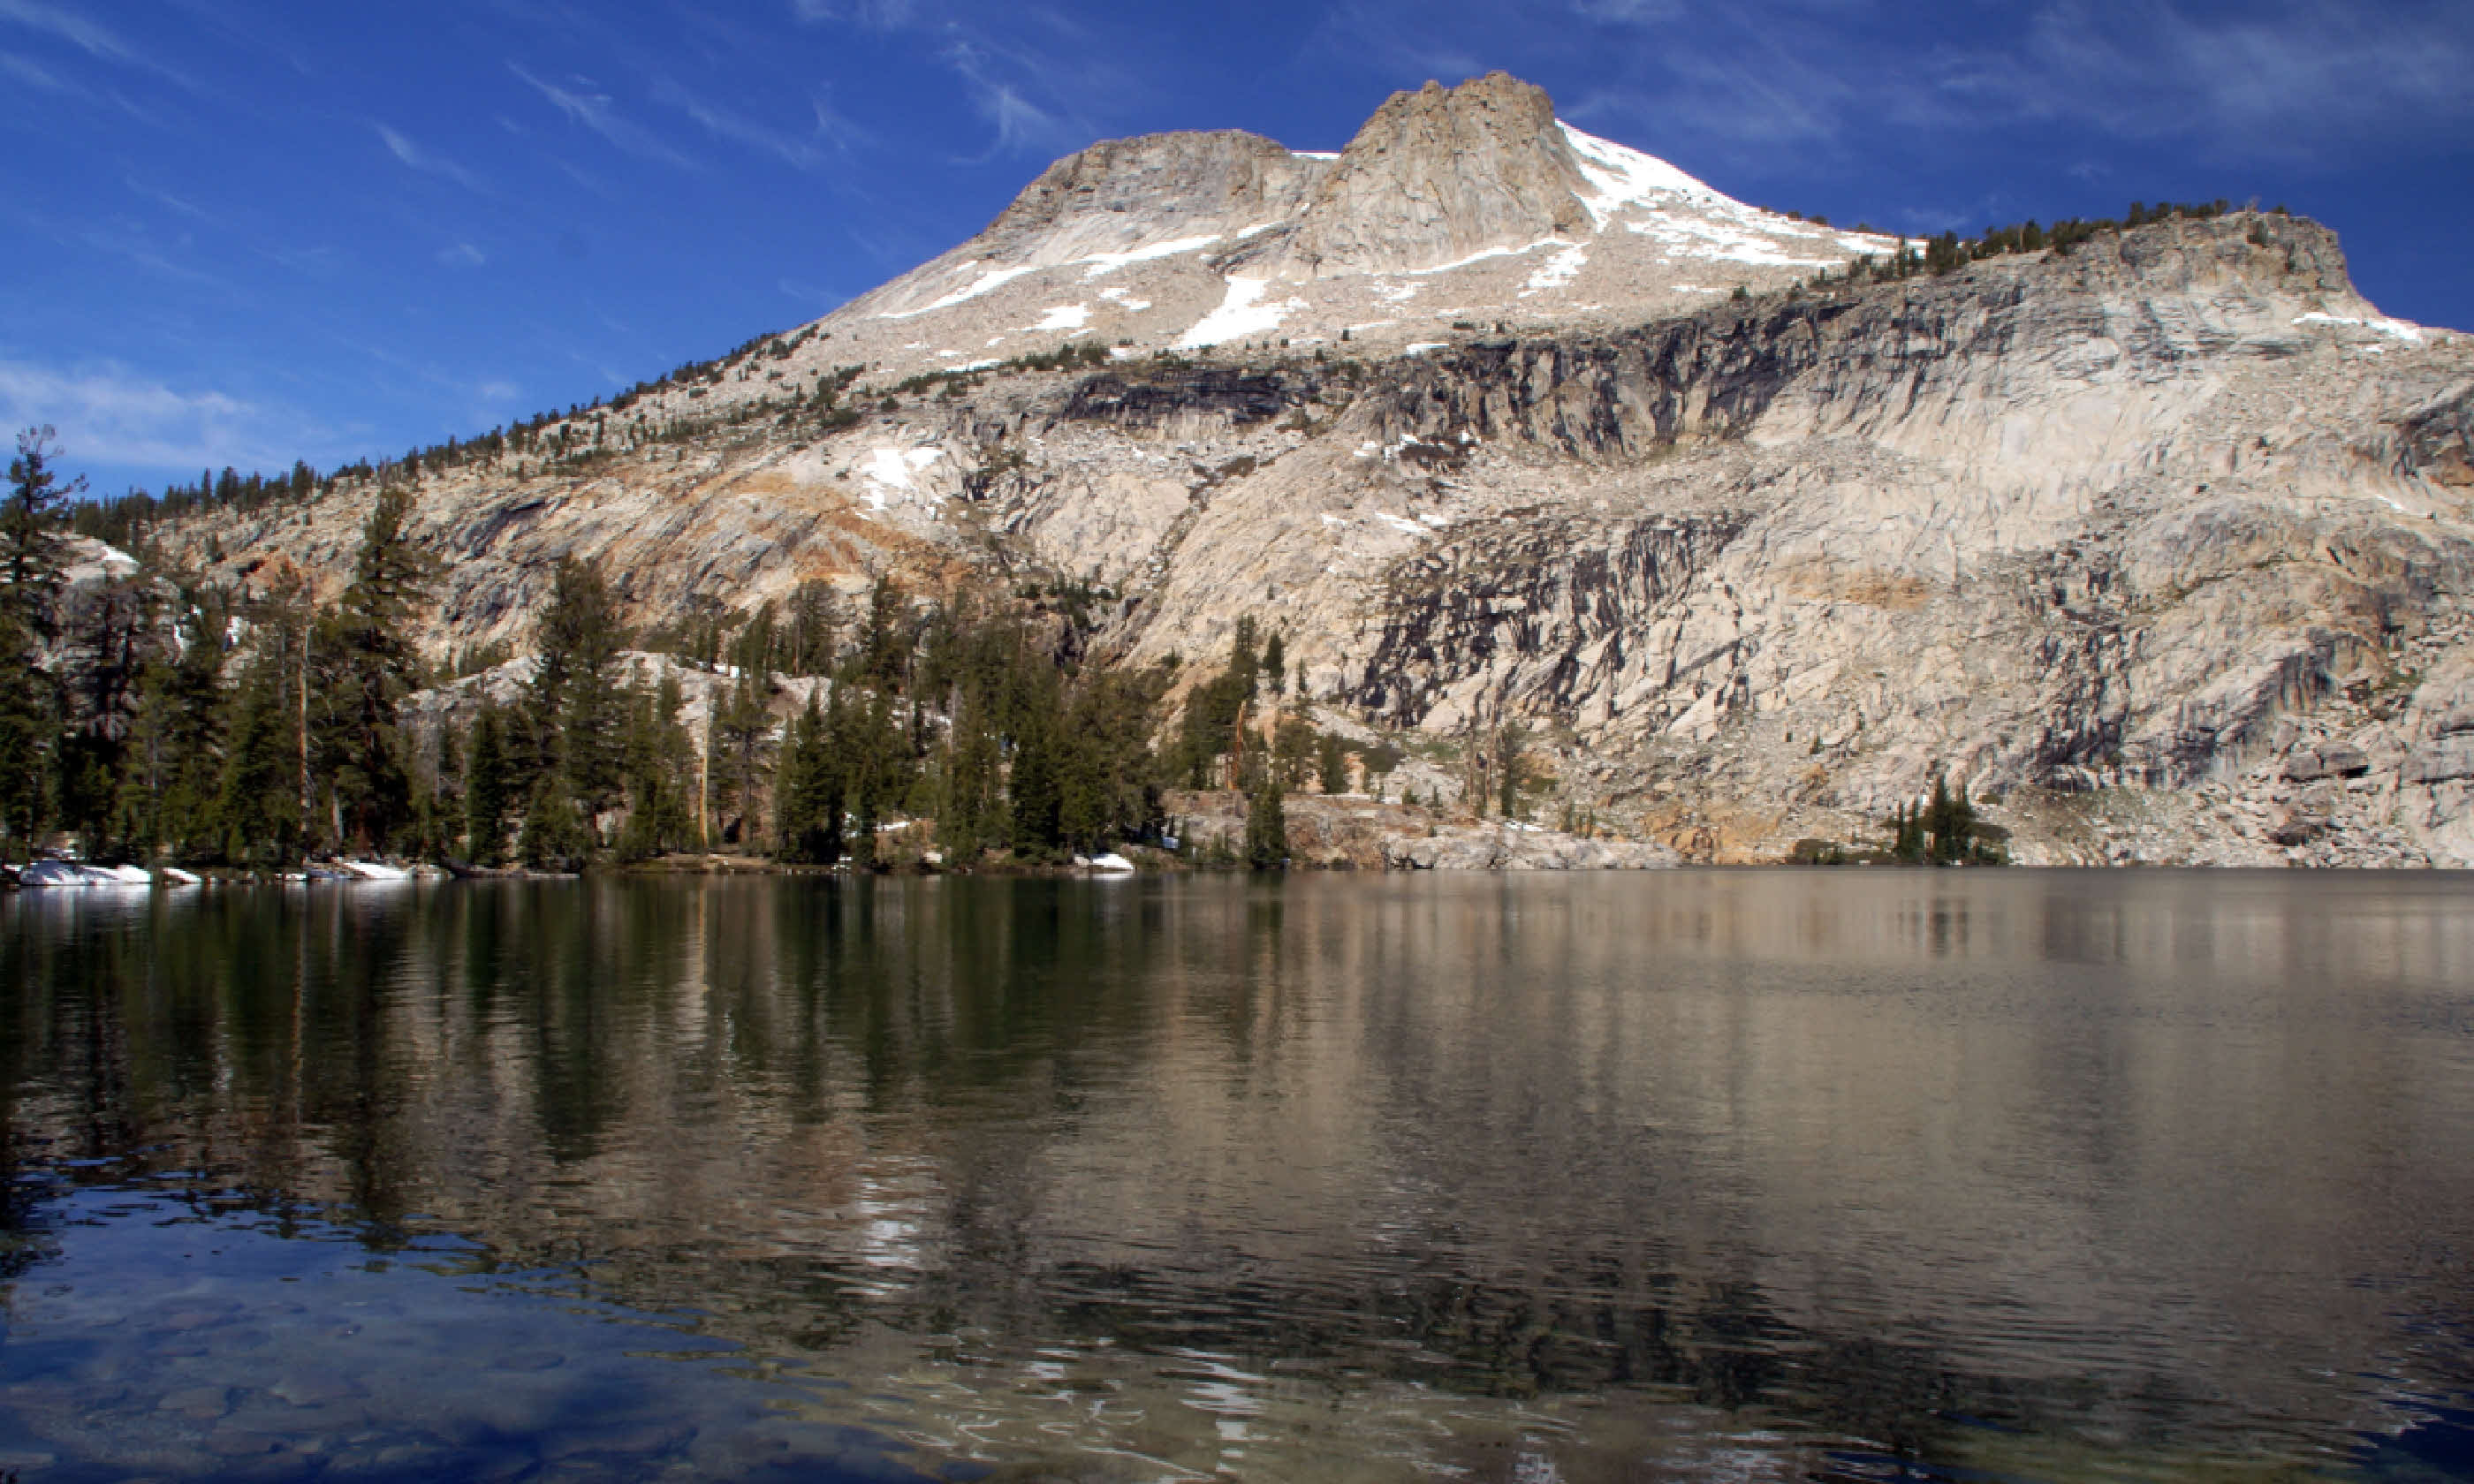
(84,34)
(462,255)
(428,162)
(800,151)
(68,26)
(869,15)
(31,74)
(1018,121)
(166,199)
(108,414)
(2298,77)
(593,110)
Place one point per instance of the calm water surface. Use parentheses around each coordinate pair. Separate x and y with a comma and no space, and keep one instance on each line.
(1840,1175)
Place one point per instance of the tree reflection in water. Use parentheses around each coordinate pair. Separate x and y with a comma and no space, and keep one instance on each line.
(2047,1173)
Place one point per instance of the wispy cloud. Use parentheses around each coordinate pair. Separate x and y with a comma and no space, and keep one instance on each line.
(1019,122)
(129,239)
(166,199)
(108,414)
(462,255)
(868,14)
(809,294)
(2278,78)
(2303,77)
(428,161)
(68,26)
(842,133)
(802,152)
(30,74)
(595,111)
(84,34)
(1021,66)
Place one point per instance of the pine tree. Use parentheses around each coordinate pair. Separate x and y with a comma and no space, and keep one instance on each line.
(661,814)
(554,836)
(366,666)
(809,825)
(109,634)
(28,732)
(742,744)
(876,773)
(177,749)
(1949,822)
(32,551)
(884,649)
(259,804)
(489,788)
(971,814)
(1332,763)
(1267,826)
(575,712)
(1293,750)
(1509,761)
(1036,785)
(1276,664)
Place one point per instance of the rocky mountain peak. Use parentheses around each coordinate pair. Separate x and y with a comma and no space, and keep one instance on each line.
(1451,205)
(1438,174)
(1123,195)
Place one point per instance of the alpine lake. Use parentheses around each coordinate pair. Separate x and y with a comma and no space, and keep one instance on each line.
(1752,1174)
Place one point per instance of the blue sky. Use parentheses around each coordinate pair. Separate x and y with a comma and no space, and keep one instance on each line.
(242,231)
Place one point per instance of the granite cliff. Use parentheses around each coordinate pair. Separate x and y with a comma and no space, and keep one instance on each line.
(2165,542)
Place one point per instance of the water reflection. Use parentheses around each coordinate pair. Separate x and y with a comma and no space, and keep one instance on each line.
(1771,1174)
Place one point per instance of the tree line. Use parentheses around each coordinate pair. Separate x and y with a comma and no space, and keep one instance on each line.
(175,720)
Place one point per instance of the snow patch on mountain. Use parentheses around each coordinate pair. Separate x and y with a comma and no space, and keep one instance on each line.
(1486,253)
(1557,271)
(1103,264)
(1241,314)
(1627,178)
(2399,329)
(993,278)
(891,470)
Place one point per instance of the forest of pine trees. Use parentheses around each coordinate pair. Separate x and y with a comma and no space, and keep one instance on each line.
(172,721)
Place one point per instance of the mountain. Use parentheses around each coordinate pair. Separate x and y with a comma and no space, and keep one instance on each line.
(2160,538)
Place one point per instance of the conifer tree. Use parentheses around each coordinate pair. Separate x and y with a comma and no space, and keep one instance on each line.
(1267,826)
(1509,761)
(259,804)
(99,663)
(366,665)
(971,813)
(28,732)
(873,754)
(1331,763)
(809,825)
(575,713)
(741,747)
(489,788)
(661,815)
(1036,785)
(175,758)
(30,544)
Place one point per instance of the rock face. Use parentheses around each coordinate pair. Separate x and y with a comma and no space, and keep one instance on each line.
(1356,833)
(2163,541)
(1439,176)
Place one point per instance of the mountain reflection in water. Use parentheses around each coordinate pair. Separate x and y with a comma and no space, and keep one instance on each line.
(1754,1174)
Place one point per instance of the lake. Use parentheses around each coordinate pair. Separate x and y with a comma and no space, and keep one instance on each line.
(1839,1175)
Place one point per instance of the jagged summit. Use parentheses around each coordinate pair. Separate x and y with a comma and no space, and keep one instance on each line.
(1124,195)
(1440,175)
(1451,205)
